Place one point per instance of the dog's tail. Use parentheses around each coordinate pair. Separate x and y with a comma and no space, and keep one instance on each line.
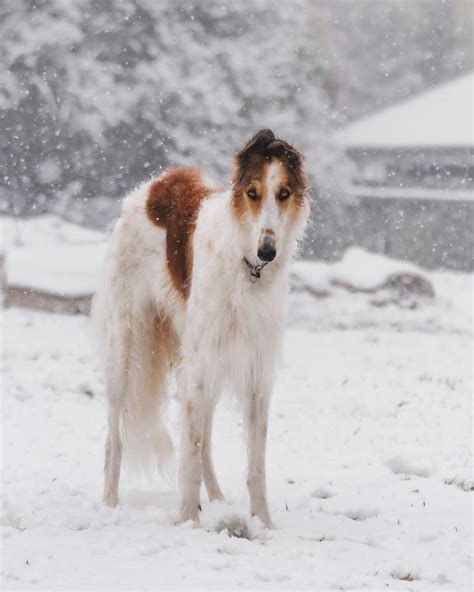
(137,352)
(147,443)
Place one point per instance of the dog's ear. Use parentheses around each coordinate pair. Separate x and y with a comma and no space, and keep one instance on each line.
(257,144)
(287,152)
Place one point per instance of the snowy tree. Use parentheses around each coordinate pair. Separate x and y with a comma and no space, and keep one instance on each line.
(99,95)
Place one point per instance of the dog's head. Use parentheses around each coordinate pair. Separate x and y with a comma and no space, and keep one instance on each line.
(269,197)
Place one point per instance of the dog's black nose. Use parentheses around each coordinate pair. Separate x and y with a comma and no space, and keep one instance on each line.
(266,252)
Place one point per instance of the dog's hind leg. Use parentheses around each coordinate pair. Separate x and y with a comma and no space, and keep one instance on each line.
(213,490)
(116,379)
(113,459)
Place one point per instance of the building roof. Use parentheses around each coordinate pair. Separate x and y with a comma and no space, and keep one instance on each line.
(439,117)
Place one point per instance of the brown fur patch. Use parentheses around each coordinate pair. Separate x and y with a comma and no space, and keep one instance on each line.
(173,203)
(164,342)
(250,169)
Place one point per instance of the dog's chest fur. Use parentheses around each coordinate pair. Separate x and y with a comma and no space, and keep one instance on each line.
(234,322)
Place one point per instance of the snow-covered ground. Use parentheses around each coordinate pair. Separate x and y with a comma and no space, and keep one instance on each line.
(368,470)
(369,458)
(48,254)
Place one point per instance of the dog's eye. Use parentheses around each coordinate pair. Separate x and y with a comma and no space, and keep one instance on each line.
(252,193)
(284,194)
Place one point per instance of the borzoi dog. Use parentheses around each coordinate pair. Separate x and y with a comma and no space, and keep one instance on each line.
(196,278)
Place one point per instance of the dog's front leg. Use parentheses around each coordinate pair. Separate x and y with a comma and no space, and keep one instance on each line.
(257,405)
(209,475)
(190,470)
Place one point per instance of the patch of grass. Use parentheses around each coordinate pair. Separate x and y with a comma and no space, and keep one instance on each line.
(408,576)
(236,526)
(464,485)
(322,539)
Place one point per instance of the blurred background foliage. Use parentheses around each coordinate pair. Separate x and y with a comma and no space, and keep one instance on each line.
(99,94)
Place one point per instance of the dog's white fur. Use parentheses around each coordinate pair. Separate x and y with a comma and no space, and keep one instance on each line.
(228,332)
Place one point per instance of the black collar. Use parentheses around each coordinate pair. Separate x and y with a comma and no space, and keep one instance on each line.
(255,270)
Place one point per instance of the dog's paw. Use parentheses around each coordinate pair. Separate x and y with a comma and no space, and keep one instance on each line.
(264,515)
(216,495)
(188,512)
(110,499)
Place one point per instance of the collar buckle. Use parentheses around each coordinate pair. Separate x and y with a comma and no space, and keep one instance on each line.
(255,270)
